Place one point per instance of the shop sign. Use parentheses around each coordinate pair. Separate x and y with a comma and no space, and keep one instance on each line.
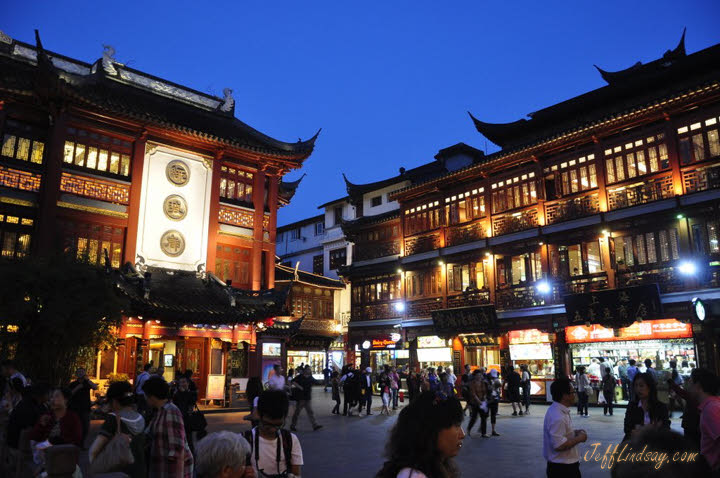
(478,340)
(383,343)
(647,330)
(542,351)
(308,343)
(431,341)
(479,318)
(614,307)
(530,336)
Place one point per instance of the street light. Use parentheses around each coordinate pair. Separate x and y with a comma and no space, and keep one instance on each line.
(400,306)
(543,287)
(687,268)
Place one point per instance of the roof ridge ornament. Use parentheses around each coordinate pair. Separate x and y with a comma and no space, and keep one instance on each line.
(229,101)
(108,59)
(5,38)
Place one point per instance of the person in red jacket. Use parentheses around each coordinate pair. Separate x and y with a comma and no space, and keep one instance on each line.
(60,425)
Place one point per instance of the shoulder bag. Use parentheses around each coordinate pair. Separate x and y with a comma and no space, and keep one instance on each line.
(115,455)
(197,420)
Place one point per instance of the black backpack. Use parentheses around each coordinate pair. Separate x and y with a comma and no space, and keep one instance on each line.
(285,438)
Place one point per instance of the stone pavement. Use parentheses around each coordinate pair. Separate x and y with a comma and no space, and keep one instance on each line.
(352,447)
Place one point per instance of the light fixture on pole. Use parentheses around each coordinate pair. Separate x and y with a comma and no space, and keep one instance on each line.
(687,268)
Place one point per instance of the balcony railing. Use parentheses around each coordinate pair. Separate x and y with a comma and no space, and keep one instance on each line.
(423,307)
(564,210)
(479,297)
(581,285)
(418,244)
(702,179)
(667,276)
(641,193)
(370,250)
(521,296)
(374,311)
(464,234)
(519,221)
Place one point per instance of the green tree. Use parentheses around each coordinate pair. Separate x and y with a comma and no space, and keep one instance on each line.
(54,312)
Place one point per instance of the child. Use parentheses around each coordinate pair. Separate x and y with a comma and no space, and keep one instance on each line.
(335,383)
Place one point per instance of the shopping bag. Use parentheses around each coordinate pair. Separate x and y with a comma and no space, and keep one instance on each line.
(601,398)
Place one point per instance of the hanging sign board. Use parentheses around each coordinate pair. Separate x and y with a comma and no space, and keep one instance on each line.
(481,318)
(614,307)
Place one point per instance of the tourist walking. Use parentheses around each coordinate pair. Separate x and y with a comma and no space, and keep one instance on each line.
(304,383)
(703,386)
(465,379)
(274,450)
(335,384)
(478,402)
(427,436)
(691,414)
(351,392)
(525,384)
(582,384)
(223,455)
(366,391)
(560,440)
(139,392)
(277,379)
(185,400)
(121,403)
(673,399)
(632,370)
(513,390)
(494,392)
(645,409)
(60,425)
(608,390)
(80,401)
(650,371)
(624,381)
(394,387)
(170,455)
(385,393)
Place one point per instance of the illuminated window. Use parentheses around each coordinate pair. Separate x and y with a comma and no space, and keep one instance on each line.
(636,158)
(91,242)
(23,142)
(236,185)
(699,141)
(87,150)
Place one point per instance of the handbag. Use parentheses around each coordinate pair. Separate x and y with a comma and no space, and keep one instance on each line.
(115,455)
(197,420)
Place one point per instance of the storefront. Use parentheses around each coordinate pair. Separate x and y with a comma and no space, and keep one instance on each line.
(304,350)
(658,340)
(534,349)
(481,350)
(385,349)
(432,351)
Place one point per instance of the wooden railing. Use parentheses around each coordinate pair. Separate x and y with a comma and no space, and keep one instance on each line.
(383,310)
(371,250)
(514,222)
(463,234)
(641,193)
(423,307)
(479,297)
(702,178)
(418,244)
(566,209)
(521,296)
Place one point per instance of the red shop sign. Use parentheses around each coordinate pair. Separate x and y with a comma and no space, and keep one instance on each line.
(646,330)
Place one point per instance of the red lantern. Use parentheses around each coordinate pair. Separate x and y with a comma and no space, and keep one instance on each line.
(269,322)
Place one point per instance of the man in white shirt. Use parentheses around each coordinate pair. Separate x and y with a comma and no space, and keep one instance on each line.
(559,439)
(277,381)
(275,451)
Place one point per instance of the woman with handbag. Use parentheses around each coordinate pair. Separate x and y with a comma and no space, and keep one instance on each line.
(120,444)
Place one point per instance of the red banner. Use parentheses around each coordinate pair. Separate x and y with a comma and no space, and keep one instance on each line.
(646,330)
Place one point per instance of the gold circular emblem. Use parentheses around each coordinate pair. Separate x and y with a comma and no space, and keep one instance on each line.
(172,243)
(178,173)
(175,207)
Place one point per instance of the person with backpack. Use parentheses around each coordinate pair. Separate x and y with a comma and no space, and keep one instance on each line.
(274,451)
(525,383)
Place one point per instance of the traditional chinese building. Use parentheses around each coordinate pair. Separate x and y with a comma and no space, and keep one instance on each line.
(125,168)
(587,235)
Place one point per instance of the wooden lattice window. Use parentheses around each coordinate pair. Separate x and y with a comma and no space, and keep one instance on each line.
(89,241)
(236,184)
(699,140)
(97,152)
(636,157)
(23,142)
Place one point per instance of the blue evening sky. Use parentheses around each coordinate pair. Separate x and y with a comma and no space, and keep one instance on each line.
(388,81)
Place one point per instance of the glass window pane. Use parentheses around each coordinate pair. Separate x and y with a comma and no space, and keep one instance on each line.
(574,184)
(641,166)
(533,192)
(248,192)
(629,257)
(575,260)
(640,245)
(125,165)
(620,172)
(231,189)
(684,150)
(516,190)
(713,142)
(698,147)
(81,247)
(526,195)
(115,163)
(23,149)
(593,176)
(652,153)
(650,243)
(619,251)
(664,246)
(565,183)
(594,258)
(223,187)
(8,249)
(23,245)
(610,171)
(712,230)
(662,153)
(68,152)
(103,160)
(93,251)
(674,244)
(584,184)
(79,154)
(518,269)
(91,161)
(8,147)
(631,165)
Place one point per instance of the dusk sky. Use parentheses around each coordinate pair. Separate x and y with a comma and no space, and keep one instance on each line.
(389,82)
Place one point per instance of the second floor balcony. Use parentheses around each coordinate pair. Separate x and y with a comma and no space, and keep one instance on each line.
(515,222)
(463,234)
(702,178)
(642,192)
(566,209)
(383,310)
(375,250)
(469,298)
(424,243)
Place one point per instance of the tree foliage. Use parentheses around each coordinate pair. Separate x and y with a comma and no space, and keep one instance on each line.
(54,312)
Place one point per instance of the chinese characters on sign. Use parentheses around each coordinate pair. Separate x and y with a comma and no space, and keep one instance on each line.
(465,319)
(614,307)
(177,173)
(175,207)
(647,330)
(478,340)
(172,243)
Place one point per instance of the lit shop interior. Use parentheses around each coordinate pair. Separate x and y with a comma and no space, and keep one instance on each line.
(481,351)
(316,360)
(659,340)
(432,351)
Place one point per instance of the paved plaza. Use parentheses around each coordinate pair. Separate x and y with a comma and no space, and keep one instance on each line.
(352,447)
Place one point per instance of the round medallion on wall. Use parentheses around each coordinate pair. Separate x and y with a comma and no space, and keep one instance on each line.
(172,243)
(177,172)
(175,207)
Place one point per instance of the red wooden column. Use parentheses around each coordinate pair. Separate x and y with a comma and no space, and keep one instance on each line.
(259,204)
(213,222)
(136,171)
(50,192)
(274,184)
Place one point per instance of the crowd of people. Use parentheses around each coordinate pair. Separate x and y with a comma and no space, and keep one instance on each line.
(150,427)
